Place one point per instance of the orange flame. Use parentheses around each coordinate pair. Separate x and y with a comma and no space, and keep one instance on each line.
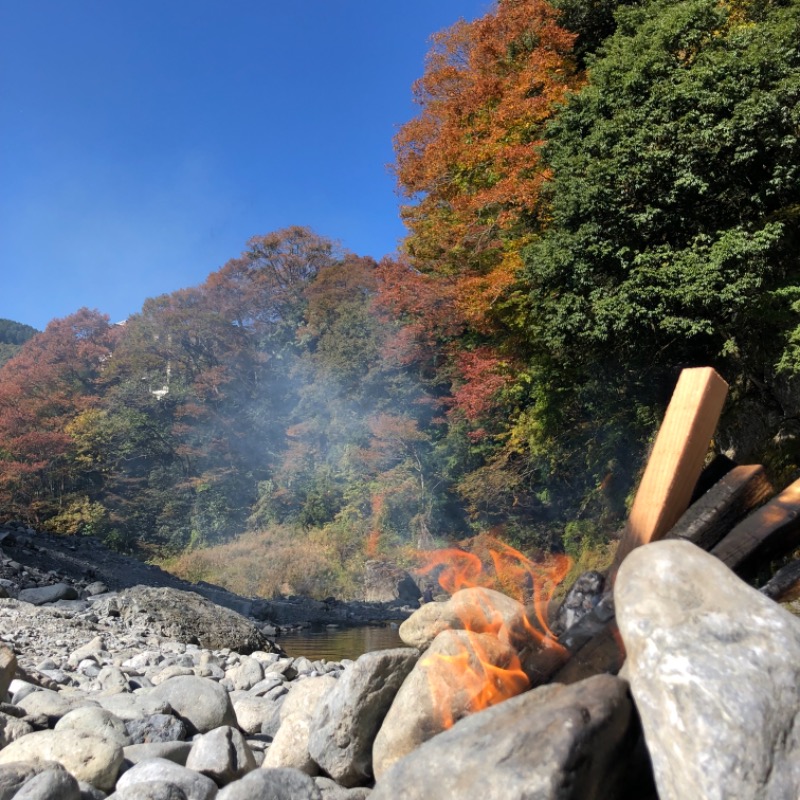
(472,673)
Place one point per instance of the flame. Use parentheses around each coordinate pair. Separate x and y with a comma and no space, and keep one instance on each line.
(472,678)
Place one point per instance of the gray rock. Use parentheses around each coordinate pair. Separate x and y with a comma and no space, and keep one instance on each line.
(714,668)
(89,792)
(479,610)
(177,752)
(95,588)
(88,758)
(150,790)
(330,790)
(434,694)
(223,755)
(12,729)
(51,784)
(564,742)
(272,784)
(385,582)
(133,706)
(349,717)
(253,712)
(246,674)
(8,666)
(201,704)
(97,721)
(14,775)
(193,785)
(188,617)
(47,703)
(156,728)
(48,594)
(289,748)
(304,695)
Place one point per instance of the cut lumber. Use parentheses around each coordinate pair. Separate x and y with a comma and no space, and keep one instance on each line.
(770,532)
(784,585)
(677,459)
(724,505)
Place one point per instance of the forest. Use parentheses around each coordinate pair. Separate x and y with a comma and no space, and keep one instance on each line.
(597,194)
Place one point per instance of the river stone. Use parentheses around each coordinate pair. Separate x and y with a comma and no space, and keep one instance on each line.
(12,729)
(194,785)
(150,790)
(330,790)
(252,712)
(188,617)
(46,702)
(434,694)
(97,721)
(89,758)
(222,754)
(565,742)
(201,704)
(15,774)
(133,706)
(714,667)
(289,748)
(272,784)
(8,666)
(156,728)
(304,695)
(346,721)
(477,609)
(177,752)
(48,594)
(51,784)
(246,674)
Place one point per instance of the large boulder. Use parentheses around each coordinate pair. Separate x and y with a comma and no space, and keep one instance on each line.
(385,582)
(188,617)
(566,742)
(714,668)
(349,717)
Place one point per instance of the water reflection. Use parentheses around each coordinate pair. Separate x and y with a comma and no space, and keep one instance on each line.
(334,644)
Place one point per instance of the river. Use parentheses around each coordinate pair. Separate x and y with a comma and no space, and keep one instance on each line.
(334,644)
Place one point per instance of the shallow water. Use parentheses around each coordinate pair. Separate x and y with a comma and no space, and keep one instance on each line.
(334,644)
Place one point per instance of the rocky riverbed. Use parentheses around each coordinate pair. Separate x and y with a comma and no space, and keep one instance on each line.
(154,693)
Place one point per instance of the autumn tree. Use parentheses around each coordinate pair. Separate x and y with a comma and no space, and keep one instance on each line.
(43,389)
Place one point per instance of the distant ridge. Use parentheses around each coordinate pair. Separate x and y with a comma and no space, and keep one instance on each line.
(12,336)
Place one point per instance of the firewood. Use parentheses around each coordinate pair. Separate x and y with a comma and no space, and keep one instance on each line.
(784,584)
(676,461)
(724,505)
(770,532)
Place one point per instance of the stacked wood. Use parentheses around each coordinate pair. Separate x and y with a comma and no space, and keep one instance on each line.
(734,519)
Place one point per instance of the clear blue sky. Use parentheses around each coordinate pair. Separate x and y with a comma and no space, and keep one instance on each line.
(142,142)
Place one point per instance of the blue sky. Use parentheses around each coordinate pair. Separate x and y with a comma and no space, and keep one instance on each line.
(142,142)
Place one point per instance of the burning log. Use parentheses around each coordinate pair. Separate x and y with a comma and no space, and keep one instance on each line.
(784,585)
(770,532)
(725,504)
(677,459)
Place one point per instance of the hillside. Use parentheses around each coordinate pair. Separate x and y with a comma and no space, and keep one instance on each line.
(12,336)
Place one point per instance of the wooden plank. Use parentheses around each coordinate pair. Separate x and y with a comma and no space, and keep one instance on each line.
(770,532)
(677,459)
(784,584)
(724,505)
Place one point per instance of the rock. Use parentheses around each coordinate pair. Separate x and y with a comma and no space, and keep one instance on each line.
(95,588)
(96,721)
(246,674)
(253,712)
(188,617)
(150,790)
(479,610)
(48,594)
(134,706)
(191,783)
(714,667)
(566,742)
(346,721)
(289,748)
(12,729)
(14,775)
(50,704)
(8,666)
(201,704)
(385,582)
(435,694)
(330,790)
(88,758)
(304,695)
(272,784)
(155,728)
(177,752)
(223,755)
(51,784)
